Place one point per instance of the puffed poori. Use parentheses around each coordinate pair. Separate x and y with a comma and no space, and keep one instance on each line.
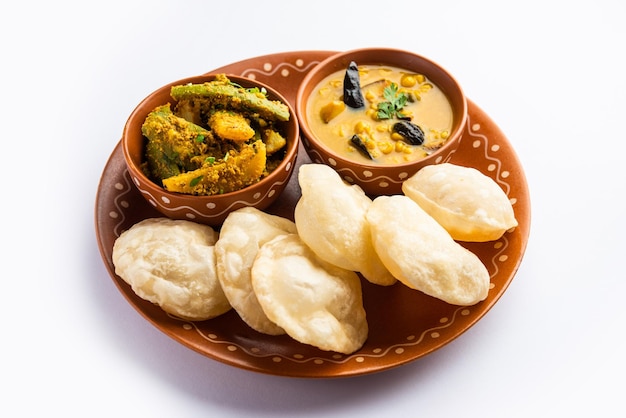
(468,204)
(243,233)
(422,255)
(315,302)
(172,263)
(330,217)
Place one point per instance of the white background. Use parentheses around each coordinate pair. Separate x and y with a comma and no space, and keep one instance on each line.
(551,74)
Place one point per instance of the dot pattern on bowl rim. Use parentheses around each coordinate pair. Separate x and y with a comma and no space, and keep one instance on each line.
(366,176)
(213,210)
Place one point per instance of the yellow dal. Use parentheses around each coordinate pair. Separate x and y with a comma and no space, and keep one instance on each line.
(432,112)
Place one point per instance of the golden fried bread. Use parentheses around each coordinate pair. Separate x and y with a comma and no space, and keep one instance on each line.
(172,263)
(315,302)
(330,217)
(422,255)
(243,233)
(467,203)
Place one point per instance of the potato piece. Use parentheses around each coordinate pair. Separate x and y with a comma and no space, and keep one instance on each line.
(467,203)
(273,140)
(331,110)
(315,302)
(231,125)
(242,234)
(330,217)
(172,263)
(422,255)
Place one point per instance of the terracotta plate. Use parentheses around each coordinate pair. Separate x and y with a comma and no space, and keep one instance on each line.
(404,324)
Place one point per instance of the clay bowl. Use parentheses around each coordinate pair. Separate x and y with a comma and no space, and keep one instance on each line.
(210,210)
(374,178)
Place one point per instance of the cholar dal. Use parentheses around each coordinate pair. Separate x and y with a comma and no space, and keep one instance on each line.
(405,116)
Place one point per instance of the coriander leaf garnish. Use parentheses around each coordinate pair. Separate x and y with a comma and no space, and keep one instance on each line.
(254,90)
(195,181)
(257,90)
(394,104)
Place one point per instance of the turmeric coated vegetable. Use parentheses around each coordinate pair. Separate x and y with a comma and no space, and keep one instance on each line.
(231,125)
(175,143)
(222,92)
(235,172)
(218,138)
(274,141)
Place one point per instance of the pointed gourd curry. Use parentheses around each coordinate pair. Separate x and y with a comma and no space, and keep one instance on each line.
(216,137)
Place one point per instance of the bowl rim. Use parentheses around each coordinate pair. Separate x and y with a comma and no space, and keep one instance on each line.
(273,93)
(308,137)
